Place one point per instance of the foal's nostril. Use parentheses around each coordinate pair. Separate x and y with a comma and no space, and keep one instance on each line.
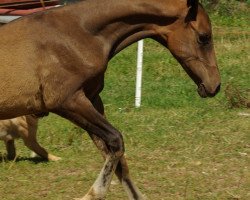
(217,89)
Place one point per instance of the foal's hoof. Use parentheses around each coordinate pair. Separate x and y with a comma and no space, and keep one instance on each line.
(11,157)
(53,158)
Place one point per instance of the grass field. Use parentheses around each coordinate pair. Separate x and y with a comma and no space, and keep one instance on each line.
(178,145)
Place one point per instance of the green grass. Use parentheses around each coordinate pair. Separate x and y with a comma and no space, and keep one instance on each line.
(178,145)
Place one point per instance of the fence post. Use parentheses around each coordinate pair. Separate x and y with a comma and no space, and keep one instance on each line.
(139,74)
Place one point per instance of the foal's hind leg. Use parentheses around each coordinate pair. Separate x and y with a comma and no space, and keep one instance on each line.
(11,150)
(122,171)
(80,110)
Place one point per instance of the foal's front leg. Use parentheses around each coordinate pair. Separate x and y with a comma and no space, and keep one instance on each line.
(80,111)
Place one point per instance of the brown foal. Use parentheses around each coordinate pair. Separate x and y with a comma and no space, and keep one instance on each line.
(54,61)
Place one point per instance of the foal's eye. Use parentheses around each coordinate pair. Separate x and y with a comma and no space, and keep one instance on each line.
(204,39)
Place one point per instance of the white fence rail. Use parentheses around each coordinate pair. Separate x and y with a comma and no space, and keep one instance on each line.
(4,19)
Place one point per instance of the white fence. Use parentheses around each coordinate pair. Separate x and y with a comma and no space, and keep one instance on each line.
(4,19)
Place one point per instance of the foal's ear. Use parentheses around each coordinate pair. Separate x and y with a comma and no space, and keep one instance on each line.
(193,10)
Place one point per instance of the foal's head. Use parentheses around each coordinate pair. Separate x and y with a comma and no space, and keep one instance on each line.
(190,41)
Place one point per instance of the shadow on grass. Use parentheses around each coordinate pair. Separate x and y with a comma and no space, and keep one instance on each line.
(35,160)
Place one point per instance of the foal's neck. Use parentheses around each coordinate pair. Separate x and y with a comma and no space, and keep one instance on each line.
(121,23)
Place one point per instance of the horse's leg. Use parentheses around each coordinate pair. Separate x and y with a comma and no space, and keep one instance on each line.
(28,134)
(11,150)
(122,170)
(80,110)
